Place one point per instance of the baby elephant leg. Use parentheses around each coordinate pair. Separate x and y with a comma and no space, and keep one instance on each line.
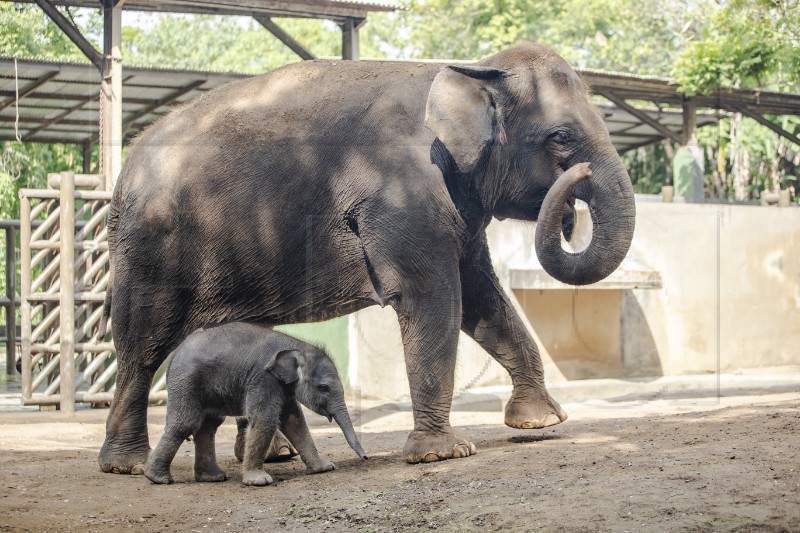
(205,457)
(294,425)
(280,449)
(161,458)
(260,431)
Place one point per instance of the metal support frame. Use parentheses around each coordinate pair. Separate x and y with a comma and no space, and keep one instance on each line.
(64,266)
(771,125)
(641,115)
(28,89)
(350,39)
(55,120)
(111,93)
(109,63)
(67,292)
(72,32)
(86,154)
(9,302)
(284,37)
(688,135)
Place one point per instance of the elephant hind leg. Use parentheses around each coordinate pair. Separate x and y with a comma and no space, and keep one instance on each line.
(205,456)
(145,332)
(127,446)
(430,338)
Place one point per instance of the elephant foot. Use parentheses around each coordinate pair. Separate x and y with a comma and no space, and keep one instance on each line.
(118,462)
(161,478)
(280,449)
(323,466)
(256,478)
(533,414)
(212,474)
(429,446)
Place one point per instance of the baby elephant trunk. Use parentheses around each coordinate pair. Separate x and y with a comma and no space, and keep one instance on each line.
(343,419)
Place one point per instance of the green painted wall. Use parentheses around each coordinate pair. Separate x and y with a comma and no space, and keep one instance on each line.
(331,335)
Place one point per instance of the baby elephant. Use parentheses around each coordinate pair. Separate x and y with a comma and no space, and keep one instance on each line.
(246,370)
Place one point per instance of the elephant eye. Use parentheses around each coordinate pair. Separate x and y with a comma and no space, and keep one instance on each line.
(323,388)
(560,137)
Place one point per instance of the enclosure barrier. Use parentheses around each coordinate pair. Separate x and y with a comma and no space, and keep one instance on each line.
(63,281)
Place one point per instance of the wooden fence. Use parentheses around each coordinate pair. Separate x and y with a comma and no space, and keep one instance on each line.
(63,280)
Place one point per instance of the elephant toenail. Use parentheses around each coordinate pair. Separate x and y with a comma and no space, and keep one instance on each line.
(137,470)
(430,458)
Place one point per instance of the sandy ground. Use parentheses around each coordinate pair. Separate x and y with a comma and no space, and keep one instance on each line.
(711,464)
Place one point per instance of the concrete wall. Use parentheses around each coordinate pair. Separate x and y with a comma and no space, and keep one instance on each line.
(730,300)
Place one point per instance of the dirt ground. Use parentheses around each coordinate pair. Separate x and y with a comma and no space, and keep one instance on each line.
(712,464)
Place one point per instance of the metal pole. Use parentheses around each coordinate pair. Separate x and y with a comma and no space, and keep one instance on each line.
(350,42)
(111,93)
(67,299)
(689,123)
(25,293)
(11,313)
(87,158)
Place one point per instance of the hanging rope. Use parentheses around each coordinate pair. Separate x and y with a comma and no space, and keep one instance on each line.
(16,102)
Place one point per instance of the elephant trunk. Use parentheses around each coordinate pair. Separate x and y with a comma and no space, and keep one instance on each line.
(609,195)
(343,420)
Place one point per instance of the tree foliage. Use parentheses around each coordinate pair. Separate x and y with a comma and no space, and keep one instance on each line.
(743,43)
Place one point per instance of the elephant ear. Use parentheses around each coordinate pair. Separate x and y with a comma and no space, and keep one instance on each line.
(286,366)
(462,113)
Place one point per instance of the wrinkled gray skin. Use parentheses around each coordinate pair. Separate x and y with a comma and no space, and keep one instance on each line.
(325,187)
(280,449)
(242,369)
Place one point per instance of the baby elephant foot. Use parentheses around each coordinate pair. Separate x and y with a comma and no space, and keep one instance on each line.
(160,477)
(256,478)
(429,446)
(525,413)
(210,474)
(322,466)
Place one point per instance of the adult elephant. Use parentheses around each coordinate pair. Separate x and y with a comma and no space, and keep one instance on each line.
(325,187)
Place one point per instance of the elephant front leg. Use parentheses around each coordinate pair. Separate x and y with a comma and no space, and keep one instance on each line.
(490,319)
(430,339)
(260,431)
(294,425)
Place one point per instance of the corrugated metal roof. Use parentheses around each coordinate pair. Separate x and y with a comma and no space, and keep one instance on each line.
(337,10)
(60,100)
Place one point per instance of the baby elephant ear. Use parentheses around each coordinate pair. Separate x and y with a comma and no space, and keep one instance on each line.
(461,112)
(285,366)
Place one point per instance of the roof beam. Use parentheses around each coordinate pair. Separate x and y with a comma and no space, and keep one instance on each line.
(72,32)
(284,37)
(641,115)
(55,120)
(152,106)
(133,117)
(771,125)
(28,89)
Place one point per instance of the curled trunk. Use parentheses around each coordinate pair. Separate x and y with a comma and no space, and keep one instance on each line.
(609,195)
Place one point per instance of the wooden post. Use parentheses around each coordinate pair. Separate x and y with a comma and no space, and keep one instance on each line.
(350,43)
(11,315)
(67,299)
(25,292)
(111,93)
